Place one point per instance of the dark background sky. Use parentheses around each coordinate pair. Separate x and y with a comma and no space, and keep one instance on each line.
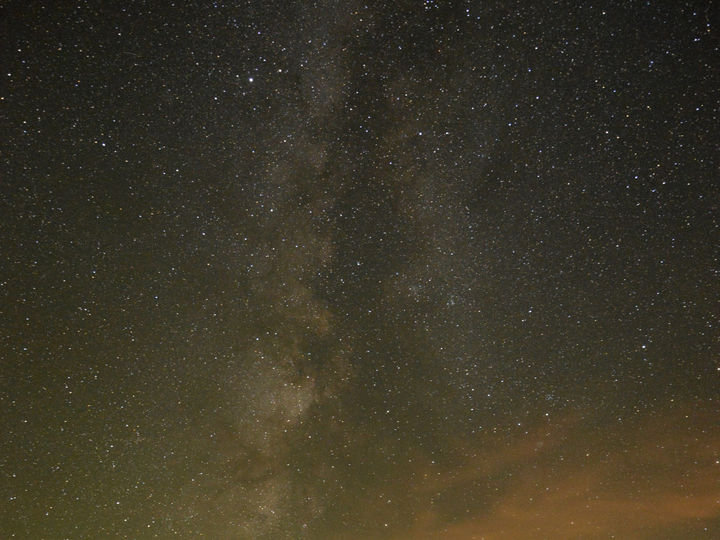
(345,270)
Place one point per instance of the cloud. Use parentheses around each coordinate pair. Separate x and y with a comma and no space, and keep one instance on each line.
(572,479)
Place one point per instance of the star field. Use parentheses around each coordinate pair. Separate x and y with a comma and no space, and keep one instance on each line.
(337,270)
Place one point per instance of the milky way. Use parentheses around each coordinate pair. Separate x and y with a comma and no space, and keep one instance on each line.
(334,270)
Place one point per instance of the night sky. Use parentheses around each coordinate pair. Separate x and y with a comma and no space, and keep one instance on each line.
(335,270)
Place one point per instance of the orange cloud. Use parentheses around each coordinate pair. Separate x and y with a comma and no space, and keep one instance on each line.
(567,480)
